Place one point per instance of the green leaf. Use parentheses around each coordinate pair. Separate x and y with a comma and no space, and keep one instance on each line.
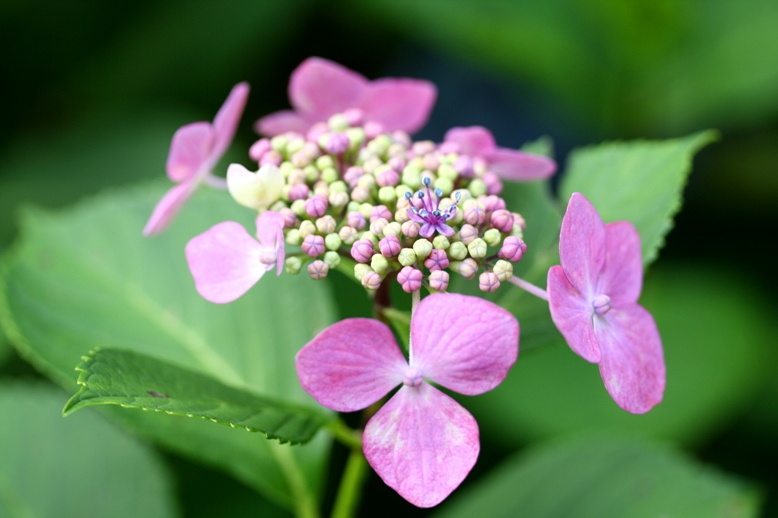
(639,181)
(716,342)
(131,380)
(52,467)
(604,477)
(85,278)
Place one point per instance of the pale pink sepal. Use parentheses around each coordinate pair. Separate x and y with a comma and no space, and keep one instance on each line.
(466,344)
(351,364)
(572,314)
(622,272)
(422,444)
(632,366)
(319,86)
(167,208)
(508,164)
(399,104)
(282,122)
(582,245)
(224,261)
(227,118)
(189,150)
(270,232)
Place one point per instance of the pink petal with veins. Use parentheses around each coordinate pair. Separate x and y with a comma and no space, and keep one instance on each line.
(466,344)
(632,365)
(582,245)
(189,150)
(622,274)
(226,121)
(281,122)
(422,444)
(351,364)
(399,104)
(321,87)
(472,140)
(520,166)
(572,314)
(270,232)
(224,261)
(167,208)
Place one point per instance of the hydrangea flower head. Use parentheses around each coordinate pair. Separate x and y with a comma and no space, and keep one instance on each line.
(593,300)
(320,88)
(506,163)
(226,261)
(421,442)
(194,152)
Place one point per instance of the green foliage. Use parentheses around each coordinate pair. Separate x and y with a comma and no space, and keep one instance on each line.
(640,181)
(131,380)
(51,467)
(604,477)
(716,343)
(85,278)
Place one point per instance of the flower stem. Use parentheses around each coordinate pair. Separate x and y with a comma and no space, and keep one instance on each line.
(345,435)
(349,493)
(304,501)
(529,287)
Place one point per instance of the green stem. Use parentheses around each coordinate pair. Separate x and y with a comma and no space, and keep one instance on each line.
(349,493)
(348,437)
(305,505)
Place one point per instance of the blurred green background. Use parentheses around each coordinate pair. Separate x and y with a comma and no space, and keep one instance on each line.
(94,92)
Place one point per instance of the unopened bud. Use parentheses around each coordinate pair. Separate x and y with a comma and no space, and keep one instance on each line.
(422,248)
(348,235)
(379,263)
(338,199)
(293,265)
(492,237)
(437,260)
(393,229)
(377,226)
(318,270)
(439,280)
(307,227)
(488,282)
(360,270)
(313,245)
(512,249)
(325,224)
(362,250)
(468,268)
(467,234)
(390,246)
(407,257)
(293,237)
(371,280)
(503,270)
(441,243)
(410,279)
(457,251)
(477,248)
(332,259)
(502,220)
(332,241)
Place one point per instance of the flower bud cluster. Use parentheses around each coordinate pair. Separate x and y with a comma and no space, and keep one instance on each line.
(417,211)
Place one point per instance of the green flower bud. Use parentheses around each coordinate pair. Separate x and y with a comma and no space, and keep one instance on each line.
(279,143)
(387,195)
(477,248)
(337,122)
(306,228)
(277,206)
(365,209)
(440,242)
(294,146)
(298,207)
(286,168)
(457,250)
(326,161)
(338,199)
(372,237)
(325,224)
(332,259)
(293,237)
(379,264)
(407,257)
(503,269)
(401,190)
(468,268)
(293,265)
(445,185)
(332,242)
(477,187)
(422,247)
(338,186)
(517,232)
(367,181)
(464,195)
(393,229)
(348,235)
(311,173)
(447,172)
(329,175)
(356,136)
(360,269)
(492,237)
(412,178)
(353,206)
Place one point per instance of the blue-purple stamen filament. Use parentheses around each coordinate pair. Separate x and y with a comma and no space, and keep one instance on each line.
(432,214)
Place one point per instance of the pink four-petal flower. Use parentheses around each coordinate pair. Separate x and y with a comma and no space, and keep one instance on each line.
(226,261)
(421,442)
(593,300)
(320,88)
(508,164)
(194,152)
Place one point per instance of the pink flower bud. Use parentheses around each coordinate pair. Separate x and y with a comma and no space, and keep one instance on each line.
(390,246)
(316,131)
(431,163)
(316,206)
(300,160)
(437,260)
(354,116)
(493,183)
(337,143)
(387,177)
(401,137)
(488,282)
(439,280)
(371,280)
(352,175)
(502,220)
(512,249)
(270,157)
(410,279)
(423,147)
(318,270)
(518,219)
(380,211)
(448,147)
(377,226)
(468,268)
(298,191)
(464,166)
(360,194)
(467,233)
(410,229)
(290,218)
(259,148)
(492,203)
(362,250)
(373,129)
(313,245)
(397,164)
(356,219)
(474,214)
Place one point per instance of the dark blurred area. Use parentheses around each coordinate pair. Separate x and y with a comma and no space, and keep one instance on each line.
(95,90)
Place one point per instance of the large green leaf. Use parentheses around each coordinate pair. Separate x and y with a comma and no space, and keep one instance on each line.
(85,278)
(52,467)
(716,342)
(604,477)
(640,181)
(132,380)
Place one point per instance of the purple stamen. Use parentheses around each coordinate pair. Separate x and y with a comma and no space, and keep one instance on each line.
(430,216)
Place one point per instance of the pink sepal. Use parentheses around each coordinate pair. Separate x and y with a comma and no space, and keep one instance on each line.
(399,104)
(224,261)
(270,232)
(466,344)
(227,118)
(422,444)
(351,364)
(572,314)
(282,122)
(322,87)
(632,366)
(167,208)
(582,245)
(189,150)
(622,273)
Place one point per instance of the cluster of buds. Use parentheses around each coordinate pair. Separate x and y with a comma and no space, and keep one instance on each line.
(417,211)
